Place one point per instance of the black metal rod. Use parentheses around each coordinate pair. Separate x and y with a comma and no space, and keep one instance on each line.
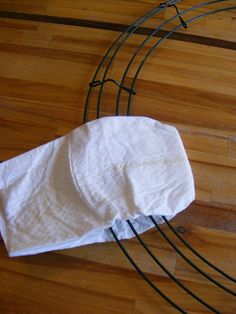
(196,253)
(164,38)
(179,16)
(117,45)
(128,30)
(189,261)
(143,275)
(147,17)
(98,83)
(179,283)
(154,32)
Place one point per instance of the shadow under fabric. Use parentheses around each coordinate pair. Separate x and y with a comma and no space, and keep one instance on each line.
(68,192)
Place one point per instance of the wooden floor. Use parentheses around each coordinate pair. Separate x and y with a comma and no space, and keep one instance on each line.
(46,65)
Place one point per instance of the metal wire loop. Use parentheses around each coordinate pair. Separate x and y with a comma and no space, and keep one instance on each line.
(172,3)
(111,53)
(184,24)
(127,89)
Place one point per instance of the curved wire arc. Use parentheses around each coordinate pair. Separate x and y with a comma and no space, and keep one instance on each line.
(140,21)
(179,283)
(189,261)
(144,276)
(127,30)
(150,36)
(118,44)
(196,253)
(163,39)
(158,9)
(118,98)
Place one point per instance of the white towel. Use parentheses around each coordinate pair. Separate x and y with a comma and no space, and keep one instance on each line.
(68,192)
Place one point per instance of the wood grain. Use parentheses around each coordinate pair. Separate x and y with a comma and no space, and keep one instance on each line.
(45,69)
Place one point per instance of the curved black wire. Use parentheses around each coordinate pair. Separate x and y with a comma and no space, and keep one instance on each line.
(179,283)
(189,261)
(128,30)
(144,276)
(158,9)
(125,73)
(133,85)
(150,36)
(163,39)
(196,253)
(140,21)
(189,21)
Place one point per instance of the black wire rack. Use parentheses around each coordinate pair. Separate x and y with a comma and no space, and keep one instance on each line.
(100,79)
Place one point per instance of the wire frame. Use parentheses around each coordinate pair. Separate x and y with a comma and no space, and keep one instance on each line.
(101,78)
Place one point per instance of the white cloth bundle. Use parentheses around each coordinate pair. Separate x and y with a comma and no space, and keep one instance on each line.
(68,192)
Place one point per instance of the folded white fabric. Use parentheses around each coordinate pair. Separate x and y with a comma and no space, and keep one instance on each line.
(68,192)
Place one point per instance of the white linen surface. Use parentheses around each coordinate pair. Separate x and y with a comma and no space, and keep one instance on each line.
(68,192)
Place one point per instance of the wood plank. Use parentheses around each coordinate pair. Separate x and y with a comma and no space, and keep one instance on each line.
(126,12)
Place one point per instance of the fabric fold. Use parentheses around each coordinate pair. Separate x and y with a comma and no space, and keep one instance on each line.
(68,192)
